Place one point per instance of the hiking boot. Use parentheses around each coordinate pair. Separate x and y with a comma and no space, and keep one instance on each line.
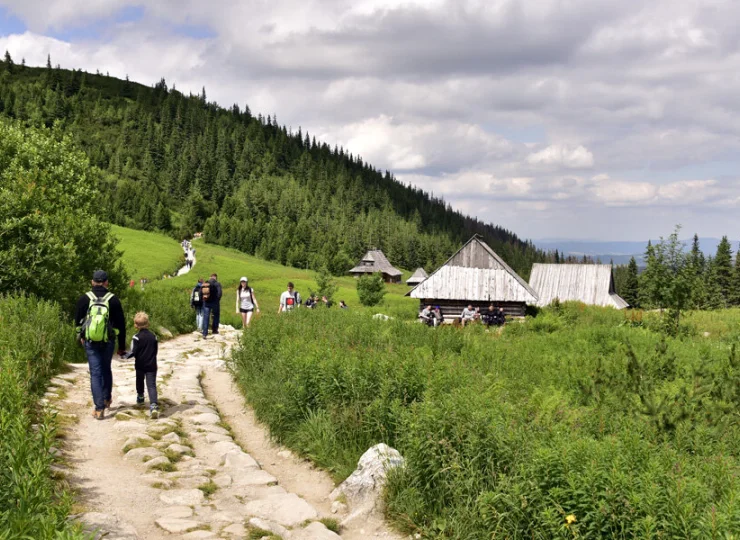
(99,415)
(140,399)
(107,403)
(154,411)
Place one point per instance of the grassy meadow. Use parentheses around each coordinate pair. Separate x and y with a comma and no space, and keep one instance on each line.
(579,423)
(148,255)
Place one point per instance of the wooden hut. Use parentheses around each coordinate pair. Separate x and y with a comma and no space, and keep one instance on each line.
(474,275)
(591,284)
(375,261)
(417,277)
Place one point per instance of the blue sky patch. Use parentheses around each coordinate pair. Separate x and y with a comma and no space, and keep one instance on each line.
(9,23)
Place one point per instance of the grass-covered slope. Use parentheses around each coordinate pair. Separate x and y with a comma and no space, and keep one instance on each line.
(147,254)
(579,423)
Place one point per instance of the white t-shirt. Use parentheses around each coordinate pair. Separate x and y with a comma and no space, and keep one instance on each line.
(289,301)
(245,299)
(468,314)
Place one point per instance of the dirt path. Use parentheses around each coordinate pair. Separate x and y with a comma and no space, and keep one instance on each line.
(182,475)
(295,474)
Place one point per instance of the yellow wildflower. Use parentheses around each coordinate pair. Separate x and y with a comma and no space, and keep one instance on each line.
(570,518)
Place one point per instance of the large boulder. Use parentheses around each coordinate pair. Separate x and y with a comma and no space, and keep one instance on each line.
(363,487)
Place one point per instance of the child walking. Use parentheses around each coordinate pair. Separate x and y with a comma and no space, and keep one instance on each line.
(144,349)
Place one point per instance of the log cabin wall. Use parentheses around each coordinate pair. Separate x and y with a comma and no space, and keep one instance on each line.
(451,309)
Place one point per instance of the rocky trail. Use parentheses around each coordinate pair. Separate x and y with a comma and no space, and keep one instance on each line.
(185,474)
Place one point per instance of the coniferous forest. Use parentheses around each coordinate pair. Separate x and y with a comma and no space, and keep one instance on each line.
(181,164)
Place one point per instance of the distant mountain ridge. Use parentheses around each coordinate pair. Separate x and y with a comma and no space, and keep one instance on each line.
(618,251)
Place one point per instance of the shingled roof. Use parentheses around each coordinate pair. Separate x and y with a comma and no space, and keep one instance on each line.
(474,274)
(417,277)
(591,284)
(375,261)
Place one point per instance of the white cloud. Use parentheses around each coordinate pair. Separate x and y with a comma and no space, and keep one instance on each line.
(559,155)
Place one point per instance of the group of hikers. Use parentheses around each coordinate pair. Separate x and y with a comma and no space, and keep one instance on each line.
(493,316)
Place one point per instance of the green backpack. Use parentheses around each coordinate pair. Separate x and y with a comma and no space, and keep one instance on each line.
(97,325)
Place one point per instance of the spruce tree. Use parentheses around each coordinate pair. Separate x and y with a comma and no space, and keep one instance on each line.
(723,270)
(735,286)
(631,288)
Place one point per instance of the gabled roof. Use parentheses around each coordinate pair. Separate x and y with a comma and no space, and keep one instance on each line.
(475,273)
(417,277)
(591,284)
(380,264)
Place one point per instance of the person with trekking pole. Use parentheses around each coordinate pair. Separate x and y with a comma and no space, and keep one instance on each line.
(100,321)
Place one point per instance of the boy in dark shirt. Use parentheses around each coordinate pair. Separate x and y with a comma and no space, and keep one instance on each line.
(144,349)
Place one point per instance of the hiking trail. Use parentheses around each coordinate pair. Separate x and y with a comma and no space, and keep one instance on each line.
(185,475)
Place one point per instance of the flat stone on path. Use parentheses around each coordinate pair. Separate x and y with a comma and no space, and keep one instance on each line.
(179,448)
(176,512)
(206,418)
(217,437)
(182,497)
(237,529)
(253,477)
(157,462)
(315,531)
(109,525)
(238,460)
(199,535)
(286,509)
(222,480)
(175,525)
(142,454)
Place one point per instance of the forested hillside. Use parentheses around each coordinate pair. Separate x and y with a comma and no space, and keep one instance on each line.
(181,164)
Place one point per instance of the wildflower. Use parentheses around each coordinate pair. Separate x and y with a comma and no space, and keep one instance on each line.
(570,519)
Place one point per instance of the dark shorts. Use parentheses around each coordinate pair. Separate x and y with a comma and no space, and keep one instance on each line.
(246,310)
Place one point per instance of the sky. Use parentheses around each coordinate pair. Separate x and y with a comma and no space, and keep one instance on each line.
(579,119)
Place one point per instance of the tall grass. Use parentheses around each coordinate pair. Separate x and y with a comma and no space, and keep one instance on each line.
(572,415)
(34,343)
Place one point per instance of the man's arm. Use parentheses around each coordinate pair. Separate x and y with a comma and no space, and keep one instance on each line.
(118,322)
(83,302)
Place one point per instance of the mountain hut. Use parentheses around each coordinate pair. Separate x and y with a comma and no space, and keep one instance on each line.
(592,284)
(417,277)
(474,275)
(375,261)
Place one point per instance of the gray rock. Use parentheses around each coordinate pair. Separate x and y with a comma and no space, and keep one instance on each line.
(285,454)
(142,454)
(165,333)
(199,535)
(236,529)
(179,448)
(253,477)
(176,512)
(224,447)
(135,440)
(228,517)
(176,525)
(108,526)
(209,428)
(171,438)
(338,508)
(315,531)
(191,482)
(157,462)
(238,460)
(216,437)
(267,525)
(286,509)
(222,480)
(182,497)
(206,418)
(364,485)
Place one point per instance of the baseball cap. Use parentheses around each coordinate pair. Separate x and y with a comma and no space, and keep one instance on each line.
(244,279)
(100,275)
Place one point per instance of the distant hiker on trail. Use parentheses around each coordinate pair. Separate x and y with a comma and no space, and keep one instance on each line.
(328,303)
(426,316)
(342,305)
(311,302)
(196,302)
(211,304)
(490,316)
(290,299)
(467,315)
(246,303)
(438,317)
(144,349)
(501,320)
(99,319)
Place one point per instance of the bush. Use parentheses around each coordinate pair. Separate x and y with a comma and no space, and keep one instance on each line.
(371,289)
(51,241)
(34,343)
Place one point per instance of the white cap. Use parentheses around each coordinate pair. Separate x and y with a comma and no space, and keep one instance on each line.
(244,279)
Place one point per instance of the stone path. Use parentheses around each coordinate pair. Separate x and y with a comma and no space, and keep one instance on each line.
(181,475)
(185,269)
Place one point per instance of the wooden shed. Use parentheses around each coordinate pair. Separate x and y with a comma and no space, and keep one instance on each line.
(591,284)
(375,261)
(417,277)
(474,275)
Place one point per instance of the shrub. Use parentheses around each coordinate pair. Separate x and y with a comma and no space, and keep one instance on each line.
(371,289)
(34,342)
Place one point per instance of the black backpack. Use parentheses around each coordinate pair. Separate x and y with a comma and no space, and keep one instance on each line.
(196,298)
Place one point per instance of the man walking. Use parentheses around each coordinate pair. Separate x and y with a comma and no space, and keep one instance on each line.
(99,319)
(290,299)
(212,305)
(196,302)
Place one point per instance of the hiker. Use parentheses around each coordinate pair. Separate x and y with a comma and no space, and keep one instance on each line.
(467,315)
(144,349)
(342,305)
(311,302)
(439,319)
(426,316)
(196,302)
(501,320)
(211,304)
(246,303)
(99,319)
(490,316)
(290,299)
(328,303)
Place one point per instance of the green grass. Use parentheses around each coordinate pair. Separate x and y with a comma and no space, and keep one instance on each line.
(575,412)
(147,254)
